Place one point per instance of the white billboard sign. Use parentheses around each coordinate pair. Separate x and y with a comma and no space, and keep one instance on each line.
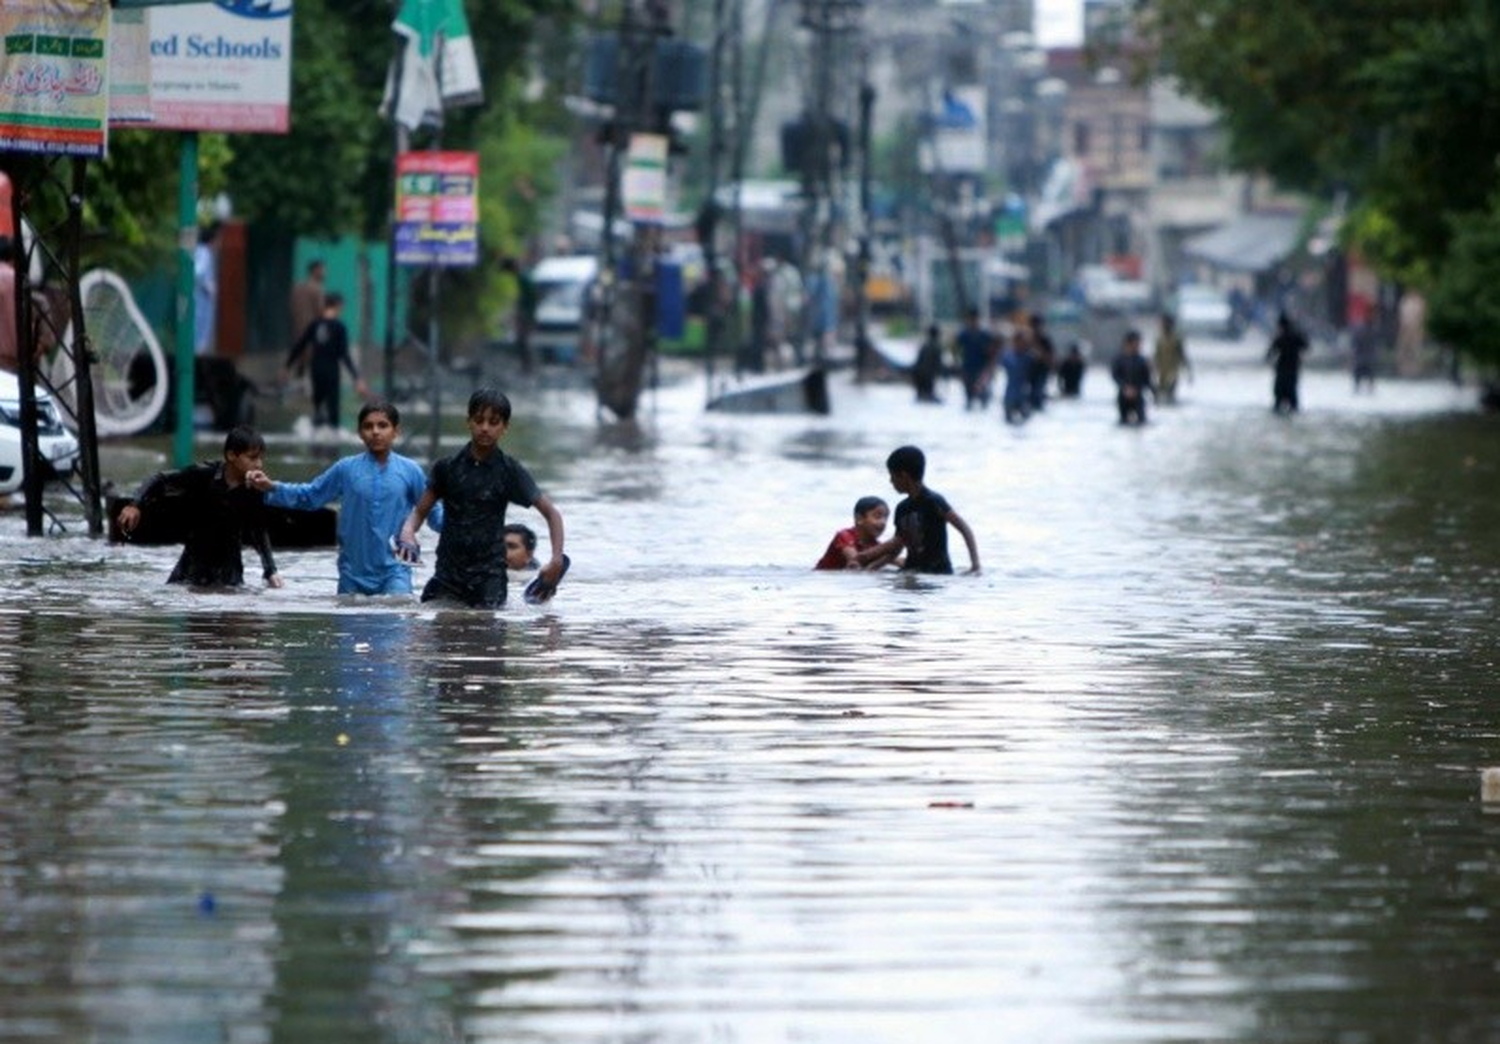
(959,140)
(223,66)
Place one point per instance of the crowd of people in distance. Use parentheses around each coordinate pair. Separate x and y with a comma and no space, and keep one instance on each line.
(1023,355)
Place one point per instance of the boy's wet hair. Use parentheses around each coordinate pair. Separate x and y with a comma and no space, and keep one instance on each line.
(908,459)
(486,399)
(864,505)
(333,300)
(244,439)
(380,406)
(528,538)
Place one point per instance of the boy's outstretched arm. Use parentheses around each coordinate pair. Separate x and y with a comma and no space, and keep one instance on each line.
(419,513)
(881,554)
(956,521)
(552,571)
(156,485)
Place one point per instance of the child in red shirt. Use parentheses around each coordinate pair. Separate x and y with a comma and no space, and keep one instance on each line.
(858,547)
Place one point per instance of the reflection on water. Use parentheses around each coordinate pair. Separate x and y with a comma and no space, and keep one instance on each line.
(1194,759)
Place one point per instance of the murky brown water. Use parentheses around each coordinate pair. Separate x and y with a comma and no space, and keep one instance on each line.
(1195,759)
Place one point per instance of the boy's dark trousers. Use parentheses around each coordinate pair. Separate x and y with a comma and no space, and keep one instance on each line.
(1132,406)
(325,398)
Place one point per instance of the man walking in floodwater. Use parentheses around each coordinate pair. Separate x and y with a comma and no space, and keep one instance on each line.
(976,359)
(1132,374)
(1170,359)
(1286,351)
(307,298)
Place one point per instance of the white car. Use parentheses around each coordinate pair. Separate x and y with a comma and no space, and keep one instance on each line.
(1205,310)
(563,285)
(55,444)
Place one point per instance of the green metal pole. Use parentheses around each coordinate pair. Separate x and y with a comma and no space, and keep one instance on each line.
(187,240)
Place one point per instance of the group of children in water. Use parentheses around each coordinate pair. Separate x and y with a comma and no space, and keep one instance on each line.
(385,499)
(920,543)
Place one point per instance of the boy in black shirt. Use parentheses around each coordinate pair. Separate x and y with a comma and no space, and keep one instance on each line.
(217,510)
(1132,374)
(923,518)
(328,340)
(476,485)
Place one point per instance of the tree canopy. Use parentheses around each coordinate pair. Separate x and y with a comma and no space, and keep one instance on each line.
(1395,103)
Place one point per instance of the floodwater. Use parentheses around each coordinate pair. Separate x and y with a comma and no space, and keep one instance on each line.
(1195,758)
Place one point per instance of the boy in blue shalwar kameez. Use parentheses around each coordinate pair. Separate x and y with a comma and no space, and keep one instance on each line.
(376,490)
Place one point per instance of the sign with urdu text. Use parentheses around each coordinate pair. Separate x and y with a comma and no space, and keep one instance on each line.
(54,76)
(437,208)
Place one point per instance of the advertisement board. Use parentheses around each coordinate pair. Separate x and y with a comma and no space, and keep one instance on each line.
(437,208)
(959,136)
(223,66)
(54,76)
(644,185)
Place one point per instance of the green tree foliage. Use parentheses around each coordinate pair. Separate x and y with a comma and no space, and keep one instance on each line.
(130,208)
(518,167)
(332,174)
(1287,76)
(1464,307)
(309,182)
(1395,102)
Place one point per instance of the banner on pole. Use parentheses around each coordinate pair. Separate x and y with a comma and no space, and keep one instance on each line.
(222,67)
(54,76)
(437,209)
(130,66)
(645,183)
(435,68)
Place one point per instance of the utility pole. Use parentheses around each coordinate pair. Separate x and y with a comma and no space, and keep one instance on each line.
(825,20)
(943,203)
(862,267)
(55,234)
(708,223)
(628,301)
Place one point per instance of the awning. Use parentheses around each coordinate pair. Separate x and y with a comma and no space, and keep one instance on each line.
(1249,243)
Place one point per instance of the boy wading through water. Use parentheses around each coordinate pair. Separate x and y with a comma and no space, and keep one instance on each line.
(475,486)
(218,510)
(376,490)
(923,518)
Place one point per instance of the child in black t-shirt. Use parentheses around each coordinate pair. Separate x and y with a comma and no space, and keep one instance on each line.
(216,511)
(327,339)
(923,518)
(476,485)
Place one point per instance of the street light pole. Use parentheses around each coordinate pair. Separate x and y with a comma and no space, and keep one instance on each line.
(628,305)
(862,269)
(825,19)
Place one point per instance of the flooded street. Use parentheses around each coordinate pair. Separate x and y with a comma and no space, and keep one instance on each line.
(1195,758)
